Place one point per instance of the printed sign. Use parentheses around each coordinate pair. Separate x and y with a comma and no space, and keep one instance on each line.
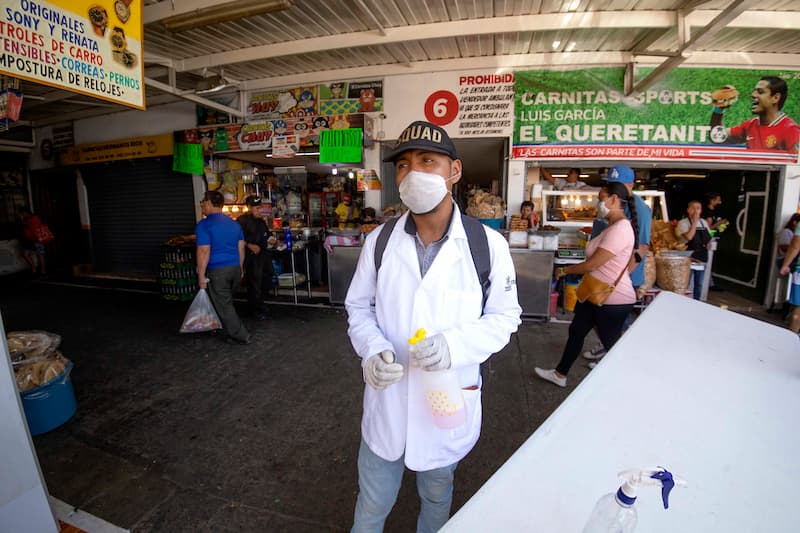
(284,146)
(691,113)
(473,103)
(135,148)
(367,180)
(91,47)
(342,97)
(283,103)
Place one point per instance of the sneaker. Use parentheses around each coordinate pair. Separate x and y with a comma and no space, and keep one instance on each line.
(551,376)
(595,353)
(242,342)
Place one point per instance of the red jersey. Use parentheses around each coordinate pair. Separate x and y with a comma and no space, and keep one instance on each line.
(781,134)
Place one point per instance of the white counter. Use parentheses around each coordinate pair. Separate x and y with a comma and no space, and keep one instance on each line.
(711,395)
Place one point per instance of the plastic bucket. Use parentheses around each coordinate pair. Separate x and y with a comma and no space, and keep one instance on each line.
(492,222)
(51,404)
(570,295)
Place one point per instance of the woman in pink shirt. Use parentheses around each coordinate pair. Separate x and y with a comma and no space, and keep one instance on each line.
(607,256)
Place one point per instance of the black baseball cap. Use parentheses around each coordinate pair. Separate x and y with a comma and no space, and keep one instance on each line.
(421,135)
(252,200)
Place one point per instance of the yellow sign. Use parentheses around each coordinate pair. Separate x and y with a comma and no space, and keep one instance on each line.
(91,47)
(135,148)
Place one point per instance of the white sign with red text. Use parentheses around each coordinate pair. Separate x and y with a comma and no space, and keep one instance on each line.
(475,103)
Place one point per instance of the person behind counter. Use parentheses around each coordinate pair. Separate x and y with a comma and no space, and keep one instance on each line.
(256,258)
(220,261)
(560,184)
(426,280)
(347,212)
(696,233)
(608,259)
(527,214)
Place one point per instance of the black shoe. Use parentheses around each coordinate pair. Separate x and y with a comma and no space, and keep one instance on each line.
(242,342)
(260,316)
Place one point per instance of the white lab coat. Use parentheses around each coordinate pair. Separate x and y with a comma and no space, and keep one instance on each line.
(447,300)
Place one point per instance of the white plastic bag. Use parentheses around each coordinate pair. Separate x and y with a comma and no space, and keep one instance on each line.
(201,315)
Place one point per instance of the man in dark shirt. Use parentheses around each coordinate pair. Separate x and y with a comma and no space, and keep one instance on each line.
(256,236)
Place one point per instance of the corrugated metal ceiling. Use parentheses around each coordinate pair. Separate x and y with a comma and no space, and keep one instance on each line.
(341,38)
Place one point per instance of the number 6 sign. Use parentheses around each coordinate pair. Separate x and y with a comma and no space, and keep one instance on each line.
(441,108)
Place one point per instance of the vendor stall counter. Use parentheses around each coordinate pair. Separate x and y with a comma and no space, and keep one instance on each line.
(534,270)
(704,392)
(342,262)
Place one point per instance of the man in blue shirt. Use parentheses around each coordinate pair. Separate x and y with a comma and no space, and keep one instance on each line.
(220,256)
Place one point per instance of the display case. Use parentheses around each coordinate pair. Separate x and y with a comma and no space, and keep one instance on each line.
(321,207)
(575,209)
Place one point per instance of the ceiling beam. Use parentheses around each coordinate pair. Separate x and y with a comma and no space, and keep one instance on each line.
(49,98)
(171,8)
(523,61)
(654,21)
(192,97)
(460,28)
(700,37)
(152,101)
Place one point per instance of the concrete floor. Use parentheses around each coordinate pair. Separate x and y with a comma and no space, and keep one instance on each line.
(187,433)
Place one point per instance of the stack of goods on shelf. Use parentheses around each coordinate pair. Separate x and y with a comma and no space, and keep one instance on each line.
(518,231)
(177,275)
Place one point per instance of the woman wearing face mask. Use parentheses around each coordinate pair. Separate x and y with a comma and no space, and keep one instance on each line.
(609,258)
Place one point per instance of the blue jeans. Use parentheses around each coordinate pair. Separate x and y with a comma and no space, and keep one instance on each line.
(379,482)
(697,277)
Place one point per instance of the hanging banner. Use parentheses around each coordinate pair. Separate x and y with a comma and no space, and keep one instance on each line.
(135,148)
(336,98)
(691,113)
(88,47)
(341,146)
(259,135)
(188,158)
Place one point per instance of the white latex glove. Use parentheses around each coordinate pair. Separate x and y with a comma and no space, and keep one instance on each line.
(431,353)
(380,371)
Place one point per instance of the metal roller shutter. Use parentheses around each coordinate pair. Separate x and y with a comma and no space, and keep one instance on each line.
(134,206)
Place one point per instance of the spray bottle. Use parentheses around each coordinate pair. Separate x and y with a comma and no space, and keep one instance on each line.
(614,513)
(442,393)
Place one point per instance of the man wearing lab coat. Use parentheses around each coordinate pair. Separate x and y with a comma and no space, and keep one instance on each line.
(426,279)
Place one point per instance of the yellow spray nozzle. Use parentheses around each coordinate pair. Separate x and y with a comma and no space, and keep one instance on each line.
(418,336)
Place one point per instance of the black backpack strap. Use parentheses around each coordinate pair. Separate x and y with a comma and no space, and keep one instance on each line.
(383,237)
(479,248)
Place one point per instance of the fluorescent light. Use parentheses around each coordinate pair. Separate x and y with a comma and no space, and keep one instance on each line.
(574,5)
(571,46)
(211,85)
(224,12)
(556,44)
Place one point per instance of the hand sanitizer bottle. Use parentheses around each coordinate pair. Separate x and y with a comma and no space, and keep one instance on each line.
(614,513)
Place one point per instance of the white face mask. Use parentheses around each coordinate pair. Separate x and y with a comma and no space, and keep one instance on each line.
(603,210)
(421,191)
